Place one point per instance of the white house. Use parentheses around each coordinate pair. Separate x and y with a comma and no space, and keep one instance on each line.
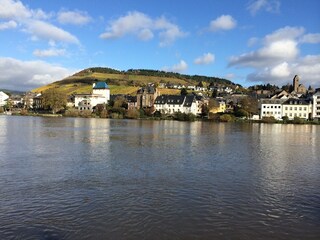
(297,108)
(271,108)
(316,105)
(100,95)
(3,98)
(169,104)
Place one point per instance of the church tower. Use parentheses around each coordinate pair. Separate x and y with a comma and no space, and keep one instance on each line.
(296,83)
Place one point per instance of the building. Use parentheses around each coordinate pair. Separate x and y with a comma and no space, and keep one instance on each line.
(170,104)
(3,98)
(100,95)
(316,105)
(271,108)
(146,96)
(293,107)
(297,87)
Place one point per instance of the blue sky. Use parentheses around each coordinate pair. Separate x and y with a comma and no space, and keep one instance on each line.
(247,41)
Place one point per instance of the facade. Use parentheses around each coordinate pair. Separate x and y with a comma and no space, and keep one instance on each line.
(169,104)
(316,105)
(297,108)
(3,98)
(271,108)
(100,95)
(146,96)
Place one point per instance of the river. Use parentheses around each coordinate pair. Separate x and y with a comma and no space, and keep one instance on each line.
(73,178)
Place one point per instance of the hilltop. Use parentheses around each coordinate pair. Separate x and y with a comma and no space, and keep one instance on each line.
(128,82)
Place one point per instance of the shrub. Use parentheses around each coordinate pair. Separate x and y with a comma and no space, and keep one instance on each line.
(298,120)
(104,113)
(86,113)
(285,119)
(72,113)
(268,120)
(241,113)
(226,118)
(115,115)
(24,112)
(133,113)
(1,110)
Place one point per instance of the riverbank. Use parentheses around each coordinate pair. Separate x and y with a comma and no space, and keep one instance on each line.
(179,117)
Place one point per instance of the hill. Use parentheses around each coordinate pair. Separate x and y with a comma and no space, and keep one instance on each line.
(128,82)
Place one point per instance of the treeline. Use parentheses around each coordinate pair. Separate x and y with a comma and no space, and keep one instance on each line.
(155,73)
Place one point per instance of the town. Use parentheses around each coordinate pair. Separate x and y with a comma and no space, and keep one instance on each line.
(216,101)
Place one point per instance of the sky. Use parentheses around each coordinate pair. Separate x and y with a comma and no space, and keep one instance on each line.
(246,41)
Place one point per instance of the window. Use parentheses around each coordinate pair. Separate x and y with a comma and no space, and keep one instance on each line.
(305,108)
(271,106)
(286,108)
(264,106)
(290,108)
(300,108)
(295,108)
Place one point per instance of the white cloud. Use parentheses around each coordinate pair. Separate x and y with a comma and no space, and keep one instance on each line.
(280,71)
(224,22)
(272,6)
(280,46)
(144,27)
(10,9)
(52,52)
(206,58)
(8,25)
(311,38)
(179,67)
(44,30)
(74,17)
(26,75)
(278,59)
(32,22)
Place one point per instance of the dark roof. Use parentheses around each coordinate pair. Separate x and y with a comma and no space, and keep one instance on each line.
(170,99)
(295,101)
(189,100)
(100,85)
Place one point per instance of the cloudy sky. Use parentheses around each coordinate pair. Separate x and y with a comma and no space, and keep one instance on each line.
(247,41)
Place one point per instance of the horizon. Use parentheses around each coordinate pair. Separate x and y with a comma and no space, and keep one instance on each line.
(248,42)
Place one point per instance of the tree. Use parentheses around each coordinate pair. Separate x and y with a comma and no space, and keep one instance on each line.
(214,93)
(250,105)
(183,92)
(54,99)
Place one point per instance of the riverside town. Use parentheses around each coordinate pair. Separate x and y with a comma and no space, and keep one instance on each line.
(207,99)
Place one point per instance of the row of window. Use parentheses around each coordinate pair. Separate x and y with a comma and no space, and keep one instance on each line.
(296,115)
(295,108)
(271,106)
(272,113)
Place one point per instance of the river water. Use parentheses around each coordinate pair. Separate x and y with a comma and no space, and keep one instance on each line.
(72,178)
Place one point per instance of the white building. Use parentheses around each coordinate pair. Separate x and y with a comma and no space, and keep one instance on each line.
(271,108)
(100,95)
(316,105)
(297,108)
(169,104)
(3,98)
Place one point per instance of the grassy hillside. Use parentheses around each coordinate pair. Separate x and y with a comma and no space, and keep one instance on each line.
(126,82)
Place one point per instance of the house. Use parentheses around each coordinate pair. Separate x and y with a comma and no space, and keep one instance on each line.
(316,105)
(100,95)
(146,96)
(293,107)
(3,98)
(170,104)
(271,108)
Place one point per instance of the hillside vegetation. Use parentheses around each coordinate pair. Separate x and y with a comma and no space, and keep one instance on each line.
(127,82)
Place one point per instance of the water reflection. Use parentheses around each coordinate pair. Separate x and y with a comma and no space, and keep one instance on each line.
(73,178)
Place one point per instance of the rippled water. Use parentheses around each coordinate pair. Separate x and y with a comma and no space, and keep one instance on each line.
(116,179)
